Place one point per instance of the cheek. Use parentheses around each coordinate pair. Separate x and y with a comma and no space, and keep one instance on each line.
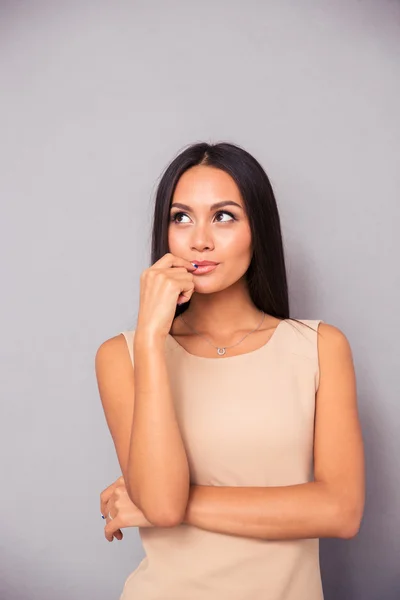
(237,243)
(175,241)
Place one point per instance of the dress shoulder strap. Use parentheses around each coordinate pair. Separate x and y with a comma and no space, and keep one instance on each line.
(303,341)
(129,336)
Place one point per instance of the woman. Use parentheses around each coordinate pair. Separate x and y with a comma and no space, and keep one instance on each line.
(237,428)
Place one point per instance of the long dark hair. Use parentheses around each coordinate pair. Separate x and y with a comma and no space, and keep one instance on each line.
(266,275)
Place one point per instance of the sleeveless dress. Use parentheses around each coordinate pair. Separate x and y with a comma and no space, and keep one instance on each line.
(245,420)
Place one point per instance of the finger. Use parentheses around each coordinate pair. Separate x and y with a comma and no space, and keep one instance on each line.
(118,533)
(112,528)
(103,506)
(170,260)
(185,281)
(105,496)
(187,289)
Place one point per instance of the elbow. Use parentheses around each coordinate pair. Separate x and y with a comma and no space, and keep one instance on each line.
(165,520)
(164,517)
(160,518)
(350,522)
(346,511)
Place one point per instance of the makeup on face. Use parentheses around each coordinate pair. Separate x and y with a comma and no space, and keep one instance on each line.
(202,269)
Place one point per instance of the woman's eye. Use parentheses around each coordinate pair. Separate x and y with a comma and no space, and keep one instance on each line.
(225,212)
(175,217)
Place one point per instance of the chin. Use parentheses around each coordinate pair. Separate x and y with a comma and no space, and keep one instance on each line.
(208,287)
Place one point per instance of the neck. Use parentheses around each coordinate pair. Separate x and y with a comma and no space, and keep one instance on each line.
(223,312)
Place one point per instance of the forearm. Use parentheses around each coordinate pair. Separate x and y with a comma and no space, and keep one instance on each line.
(308,510)
(158,473)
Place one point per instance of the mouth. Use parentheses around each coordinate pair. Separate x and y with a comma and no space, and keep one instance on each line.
(204,267)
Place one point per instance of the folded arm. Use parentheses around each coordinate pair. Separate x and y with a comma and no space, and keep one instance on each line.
(330,506)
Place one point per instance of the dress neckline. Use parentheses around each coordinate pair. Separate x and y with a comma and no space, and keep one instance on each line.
(267,344)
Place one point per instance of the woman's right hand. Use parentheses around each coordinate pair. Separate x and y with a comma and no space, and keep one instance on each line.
(115,498)
(166,283)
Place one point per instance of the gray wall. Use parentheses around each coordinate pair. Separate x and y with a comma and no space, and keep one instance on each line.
(96,99)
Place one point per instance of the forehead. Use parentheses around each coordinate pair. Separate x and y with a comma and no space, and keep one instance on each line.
(206,184)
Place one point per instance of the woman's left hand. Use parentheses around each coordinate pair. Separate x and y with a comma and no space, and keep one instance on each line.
(116,502)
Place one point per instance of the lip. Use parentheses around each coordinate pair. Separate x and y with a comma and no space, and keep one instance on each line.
(202,269)
(203,263)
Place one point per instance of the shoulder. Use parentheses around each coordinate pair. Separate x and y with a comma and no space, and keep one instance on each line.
(113,351)
(332,343)
(300,335)
(317,339)
(328,348)
(332,337)
(327,334)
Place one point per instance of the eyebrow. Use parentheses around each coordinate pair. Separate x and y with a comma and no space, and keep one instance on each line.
(212,207)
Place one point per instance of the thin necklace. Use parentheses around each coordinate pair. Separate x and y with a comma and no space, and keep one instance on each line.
(221,350)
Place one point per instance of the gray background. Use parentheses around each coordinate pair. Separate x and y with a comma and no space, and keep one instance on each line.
(96,99)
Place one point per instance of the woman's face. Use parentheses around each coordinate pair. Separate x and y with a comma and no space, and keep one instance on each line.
(198,231)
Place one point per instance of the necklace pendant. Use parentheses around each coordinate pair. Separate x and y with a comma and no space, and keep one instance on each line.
(221,351)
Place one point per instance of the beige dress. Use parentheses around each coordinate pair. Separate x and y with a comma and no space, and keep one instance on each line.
(246,420)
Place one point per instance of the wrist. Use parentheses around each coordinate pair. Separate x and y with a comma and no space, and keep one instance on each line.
(148,338)
(189,506)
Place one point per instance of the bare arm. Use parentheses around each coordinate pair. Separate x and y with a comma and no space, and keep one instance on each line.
(138,403)
(158,478)
(139,412)
(306,510)
(330,506)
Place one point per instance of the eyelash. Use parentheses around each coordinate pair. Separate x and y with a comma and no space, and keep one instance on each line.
(173,218)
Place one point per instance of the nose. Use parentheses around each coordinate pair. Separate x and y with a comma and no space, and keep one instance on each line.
(201,237)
